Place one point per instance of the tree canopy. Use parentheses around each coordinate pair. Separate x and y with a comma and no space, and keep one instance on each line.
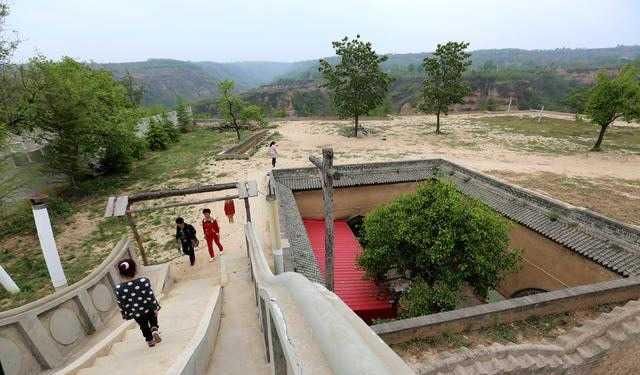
(612,98)
(443,83)
(439,239)
(234,110)
(357,82)
(83,115)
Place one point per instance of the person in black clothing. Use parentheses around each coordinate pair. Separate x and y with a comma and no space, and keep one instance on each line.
(136,301)
(186,235)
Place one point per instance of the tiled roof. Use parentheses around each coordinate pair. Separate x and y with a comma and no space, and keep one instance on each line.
(608,242)
(362,295)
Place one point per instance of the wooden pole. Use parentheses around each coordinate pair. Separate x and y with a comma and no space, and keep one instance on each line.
(137,237)
(327,174)
(193,203)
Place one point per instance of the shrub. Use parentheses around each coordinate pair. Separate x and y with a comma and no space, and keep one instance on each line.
(423,299)
(173,133)
(157,137)
(252,112)
(440,237)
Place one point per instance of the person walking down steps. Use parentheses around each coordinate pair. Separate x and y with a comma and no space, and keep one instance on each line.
(136,301)
(273,153)
(186,236)
(211,231)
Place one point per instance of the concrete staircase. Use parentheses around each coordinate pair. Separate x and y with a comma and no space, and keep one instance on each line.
(179,318)
(582,346)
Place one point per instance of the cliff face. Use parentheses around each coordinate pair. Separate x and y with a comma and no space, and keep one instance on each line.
(490,91)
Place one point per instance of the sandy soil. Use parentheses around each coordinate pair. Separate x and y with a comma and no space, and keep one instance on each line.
(412,137)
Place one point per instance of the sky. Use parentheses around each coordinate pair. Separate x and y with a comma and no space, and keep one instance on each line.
(288,30)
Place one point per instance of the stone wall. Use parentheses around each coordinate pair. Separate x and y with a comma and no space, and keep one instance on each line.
(608,344)
(45,333)
(515,309)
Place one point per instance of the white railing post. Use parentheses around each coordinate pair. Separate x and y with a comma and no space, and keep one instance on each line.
(7,282)
(47,241)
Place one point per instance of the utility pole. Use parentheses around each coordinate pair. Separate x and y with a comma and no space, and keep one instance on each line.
(327,175)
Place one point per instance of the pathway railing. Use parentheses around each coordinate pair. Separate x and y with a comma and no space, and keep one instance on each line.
(347,344)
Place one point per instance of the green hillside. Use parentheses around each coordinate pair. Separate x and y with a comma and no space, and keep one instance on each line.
(165,80)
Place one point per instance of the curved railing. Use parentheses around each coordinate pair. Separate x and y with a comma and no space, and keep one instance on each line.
(43,334)
(300,318)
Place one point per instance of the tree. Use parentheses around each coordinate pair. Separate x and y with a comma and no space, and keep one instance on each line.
(252,112)
(614,98)
(82,115)
(357,82)
(135,89)
(438,239)
(230,105)
(443,82)
(7,83)
(169,128)
(185,120)
(157,136)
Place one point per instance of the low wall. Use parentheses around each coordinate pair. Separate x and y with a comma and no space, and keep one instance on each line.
(195,358)
(45,333)
(491,314)
(294,312)
(245,149)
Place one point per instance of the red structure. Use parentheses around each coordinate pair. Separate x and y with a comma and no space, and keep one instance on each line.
(363,296)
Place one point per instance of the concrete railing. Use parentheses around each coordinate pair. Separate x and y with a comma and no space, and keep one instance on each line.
(297,316)
(45,333)
(195,358)
(516,309)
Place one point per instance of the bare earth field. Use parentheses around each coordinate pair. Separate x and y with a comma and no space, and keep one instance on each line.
(550,157)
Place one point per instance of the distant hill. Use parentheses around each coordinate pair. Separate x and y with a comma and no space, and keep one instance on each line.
(165,79)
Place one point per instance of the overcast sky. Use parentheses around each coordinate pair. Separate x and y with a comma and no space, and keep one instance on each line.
(288,30)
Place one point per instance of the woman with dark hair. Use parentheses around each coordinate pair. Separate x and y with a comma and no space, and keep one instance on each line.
(136,301)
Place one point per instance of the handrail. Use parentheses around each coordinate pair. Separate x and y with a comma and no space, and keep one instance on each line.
(348,344)
(39,305)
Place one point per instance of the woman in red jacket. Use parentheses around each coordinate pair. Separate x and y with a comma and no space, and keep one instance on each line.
(229,209)
(211,232)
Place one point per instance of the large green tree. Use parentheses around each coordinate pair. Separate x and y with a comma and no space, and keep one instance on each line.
(612,98)
(83,115)
(438,239)
(185,118)
(357,82)
(443,83)
(230,105)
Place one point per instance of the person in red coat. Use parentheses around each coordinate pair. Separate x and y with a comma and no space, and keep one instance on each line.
(229,209)
(211,232)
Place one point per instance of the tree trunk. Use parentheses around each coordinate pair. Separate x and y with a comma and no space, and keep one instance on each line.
(438,122)
(355,131)
(235,122)
(603,129)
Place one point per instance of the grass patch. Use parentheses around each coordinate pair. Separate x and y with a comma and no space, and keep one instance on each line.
(554,135)
(90,237)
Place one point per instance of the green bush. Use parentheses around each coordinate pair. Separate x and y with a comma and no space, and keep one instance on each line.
(280,112)
(252,112)
(423,299)
(157,137)
(173,133)
(440,237)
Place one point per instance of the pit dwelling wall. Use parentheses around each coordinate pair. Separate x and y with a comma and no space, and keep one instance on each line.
(546,265)
(46,333)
